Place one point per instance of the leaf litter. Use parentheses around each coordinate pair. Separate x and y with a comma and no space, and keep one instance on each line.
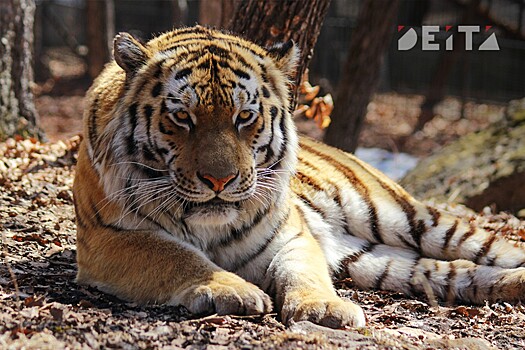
(42,307)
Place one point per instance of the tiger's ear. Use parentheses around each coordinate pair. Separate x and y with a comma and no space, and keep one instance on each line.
(129,53)
(286,56)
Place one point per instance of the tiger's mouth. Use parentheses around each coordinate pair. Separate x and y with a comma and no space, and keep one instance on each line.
(215,205)
(213,212)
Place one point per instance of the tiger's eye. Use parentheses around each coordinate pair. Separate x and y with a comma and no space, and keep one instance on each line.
(182,115)
(244,115)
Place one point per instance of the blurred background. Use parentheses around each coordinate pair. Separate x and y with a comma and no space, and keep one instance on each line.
(456,91)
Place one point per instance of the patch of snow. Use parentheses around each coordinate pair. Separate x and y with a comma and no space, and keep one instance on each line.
(393,165)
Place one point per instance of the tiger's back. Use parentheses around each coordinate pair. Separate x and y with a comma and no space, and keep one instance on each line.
(191,189)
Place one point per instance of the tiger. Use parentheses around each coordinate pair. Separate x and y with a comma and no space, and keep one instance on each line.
(193,188)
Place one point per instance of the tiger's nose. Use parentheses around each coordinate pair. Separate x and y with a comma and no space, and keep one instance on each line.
(217,185)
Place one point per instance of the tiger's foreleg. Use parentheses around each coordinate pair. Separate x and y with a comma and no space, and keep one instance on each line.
(403,270)
(299,276)
(151,267)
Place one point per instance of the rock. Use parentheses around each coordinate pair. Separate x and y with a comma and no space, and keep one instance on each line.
(480,169)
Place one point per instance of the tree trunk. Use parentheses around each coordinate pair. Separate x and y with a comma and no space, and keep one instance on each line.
(271,22)
(369,42)
(18,114)
(100,33)
(216,13)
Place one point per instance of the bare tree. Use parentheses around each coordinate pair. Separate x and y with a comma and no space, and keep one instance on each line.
(369,42)
(18,114)
(100,32)
(270,22)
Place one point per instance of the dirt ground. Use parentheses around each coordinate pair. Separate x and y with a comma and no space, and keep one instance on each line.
(41,306)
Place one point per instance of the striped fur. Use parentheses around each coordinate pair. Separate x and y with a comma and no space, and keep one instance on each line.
(193,188)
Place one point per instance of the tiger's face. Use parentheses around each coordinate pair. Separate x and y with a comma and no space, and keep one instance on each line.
(212,111)
(213,164)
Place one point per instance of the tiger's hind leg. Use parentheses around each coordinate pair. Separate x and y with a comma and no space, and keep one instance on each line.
(404,270)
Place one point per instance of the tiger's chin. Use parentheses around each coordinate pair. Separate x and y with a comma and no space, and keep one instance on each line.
(211,213)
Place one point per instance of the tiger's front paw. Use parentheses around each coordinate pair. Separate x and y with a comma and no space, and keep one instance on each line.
(226,293)
(328,311)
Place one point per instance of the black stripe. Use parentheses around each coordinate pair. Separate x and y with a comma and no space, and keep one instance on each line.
(435,215)
(196,52)
(189,42)
(417,229)
(174,99)
(163,151)
(359,187)
(239,234)
(265,91)
(172,158)
(182,73)
(261,113)
(143,216)
(269,80)
(241,74)
(268,147)
(485,248)
(336,197)
(469,233)
(379,280)
(451,280)
(148,154)
(311,205)
(413,290)
(492,286)
(243,262)
(158,70)
(186,42)
(79,221)
(163,129)
(219,51)
(473,286)
(92,132)
(241,60)
(133,207)
(100,221)
(156,89)
(79,214)
(491,260)
(132,115)
(186,39)
(273,112)
(283,147)
(148,112)
(351,259)
(310,181)
(450,232)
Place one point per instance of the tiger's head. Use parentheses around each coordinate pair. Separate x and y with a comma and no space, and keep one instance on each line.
(206,114)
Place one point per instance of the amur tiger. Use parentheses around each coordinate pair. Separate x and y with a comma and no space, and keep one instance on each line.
(192,187)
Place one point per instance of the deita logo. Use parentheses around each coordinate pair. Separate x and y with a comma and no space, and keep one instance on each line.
(410,38)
